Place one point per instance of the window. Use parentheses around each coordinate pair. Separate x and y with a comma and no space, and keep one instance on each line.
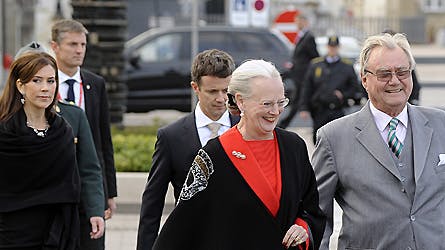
(215,40)
(433,5)
(258,42)
(164,48)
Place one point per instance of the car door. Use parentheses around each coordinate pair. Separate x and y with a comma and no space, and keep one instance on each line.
(160,75)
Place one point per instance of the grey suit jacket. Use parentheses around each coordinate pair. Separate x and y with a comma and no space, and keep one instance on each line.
(354,165)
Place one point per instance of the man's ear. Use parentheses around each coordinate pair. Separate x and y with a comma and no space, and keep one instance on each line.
(194,86)
(54,45)
(364,81)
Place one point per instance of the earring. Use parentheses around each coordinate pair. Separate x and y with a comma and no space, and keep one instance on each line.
(242,113)
(22,100)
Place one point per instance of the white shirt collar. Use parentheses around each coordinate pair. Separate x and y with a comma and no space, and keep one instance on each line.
(202,120)
(63,77)
(382,119)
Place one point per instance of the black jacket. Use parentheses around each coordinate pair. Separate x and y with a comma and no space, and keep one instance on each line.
(218,208)
(305,50)
(322,79)
(96,109)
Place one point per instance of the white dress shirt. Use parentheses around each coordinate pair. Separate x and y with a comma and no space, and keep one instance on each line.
(382,120)
(202,121)
(78,93)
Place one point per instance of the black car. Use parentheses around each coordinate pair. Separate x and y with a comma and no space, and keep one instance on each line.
(158,61)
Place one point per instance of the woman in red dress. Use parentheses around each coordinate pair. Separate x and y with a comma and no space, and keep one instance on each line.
(253,187)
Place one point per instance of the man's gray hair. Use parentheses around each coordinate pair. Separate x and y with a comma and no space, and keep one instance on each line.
(385,40)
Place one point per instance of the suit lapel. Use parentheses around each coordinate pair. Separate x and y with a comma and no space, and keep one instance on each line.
(189,128)
(87,93)
(422,136)
(369,136)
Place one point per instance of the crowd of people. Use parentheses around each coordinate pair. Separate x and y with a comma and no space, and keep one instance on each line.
(240,179)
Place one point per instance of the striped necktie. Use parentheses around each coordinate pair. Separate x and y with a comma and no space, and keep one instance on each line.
(393,142)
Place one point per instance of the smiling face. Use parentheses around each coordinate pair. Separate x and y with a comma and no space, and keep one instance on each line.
(260,120)
(389,96)
(39,92)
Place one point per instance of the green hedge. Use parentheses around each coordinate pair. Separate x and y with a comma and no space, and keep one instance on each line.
(133,148)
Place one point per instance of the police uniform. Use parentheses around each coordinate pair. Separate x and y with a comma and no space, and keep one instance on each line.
(325,75)
(92,193)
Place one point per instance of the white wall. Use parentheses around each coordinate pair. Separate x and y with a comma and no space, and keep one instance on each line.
(45,10)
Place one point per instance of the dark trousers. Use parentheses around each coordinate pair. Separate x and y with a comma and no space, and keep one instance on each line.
(86,243)
(321,118)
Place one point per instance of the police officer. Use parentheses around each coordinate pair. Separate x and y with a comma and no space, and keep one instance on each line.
(329,82)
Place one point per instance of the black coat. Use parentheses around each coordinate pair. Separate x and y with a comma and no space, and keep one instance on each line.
(305,50)
(96,109)
(322,79)
(39,186)
(220,210)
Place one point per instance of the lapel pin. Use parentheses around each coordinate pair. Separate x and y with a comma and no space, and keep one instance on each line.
(88,86)
(239,155)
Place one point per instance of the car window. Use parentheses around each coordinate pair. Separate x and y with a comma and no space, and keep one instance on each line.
(258,42)
(161,49)
(215,40)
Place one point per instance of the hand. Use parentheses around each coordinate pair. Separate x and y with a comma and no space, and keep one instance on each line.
(97,227)
(111,209)
(305,115)
(295,236)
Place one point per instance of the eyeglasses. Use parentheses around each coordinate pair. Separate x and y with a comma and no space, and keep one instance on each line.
(270,104)
(386,75)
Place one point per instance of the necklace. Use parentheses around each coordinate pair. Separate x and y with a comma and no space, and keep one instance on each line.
(39,132)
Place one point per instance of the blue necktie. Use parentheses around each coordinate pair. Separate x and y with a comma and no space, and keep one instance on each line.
(70,93)
(393,142)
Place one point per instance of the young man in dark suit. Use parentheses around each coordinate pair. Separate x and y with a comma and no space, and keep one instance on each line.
(305,51)
(86,90)
(179,142)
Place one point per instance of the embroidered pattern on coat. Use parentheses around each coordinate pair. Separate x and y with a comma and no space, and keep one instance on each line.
(198,176)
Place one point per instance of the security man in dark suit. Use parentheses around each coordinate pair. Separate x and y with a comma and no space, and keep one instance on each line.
(329,83)
(305,50)
(86,90)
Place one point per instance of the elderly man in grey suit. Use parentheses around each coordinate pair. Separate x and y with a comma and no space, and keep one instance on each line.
(385,165)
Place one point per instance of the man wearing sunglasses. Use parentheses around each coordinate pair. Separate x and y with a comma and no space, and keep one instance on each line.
(385,164)
(330,81)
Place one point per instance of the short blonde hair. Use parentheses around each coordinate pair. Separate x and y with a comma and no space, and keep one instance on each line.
(64,26)
(385,40)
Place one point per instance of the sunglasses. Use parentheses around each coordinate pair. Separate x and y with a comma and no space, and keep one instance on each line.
(386,75)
